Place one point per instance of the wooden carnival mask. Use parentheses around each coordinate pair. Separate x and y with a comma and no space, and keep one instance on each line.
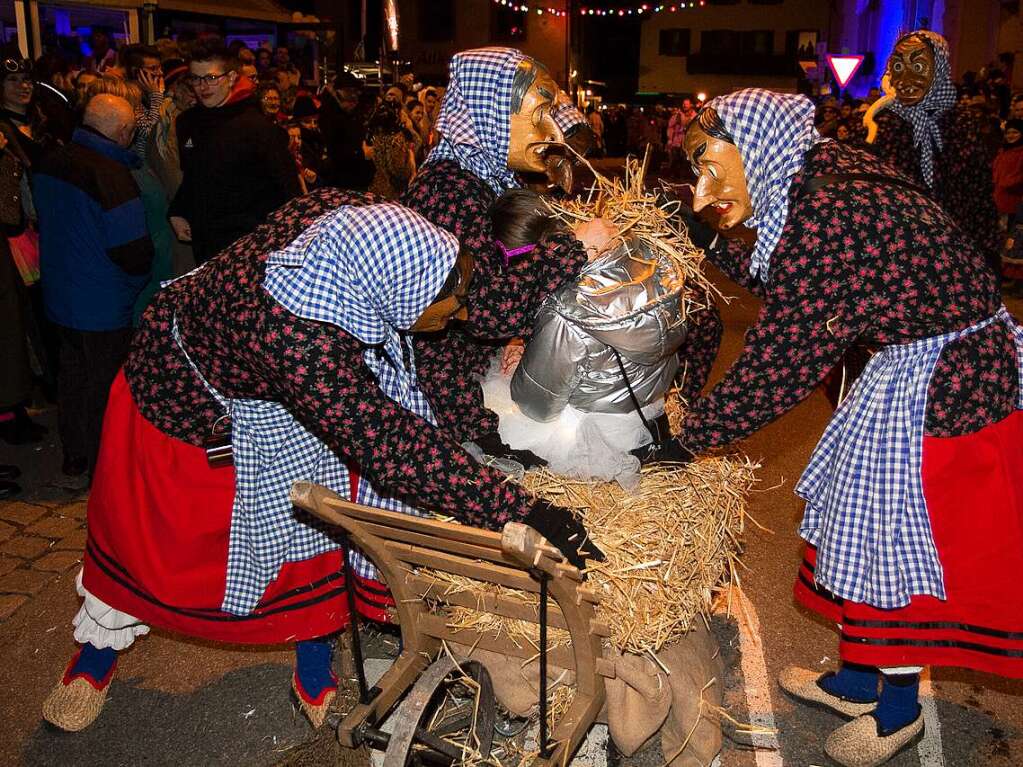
(720,177)
(532,127)
(911,69)
(452,300)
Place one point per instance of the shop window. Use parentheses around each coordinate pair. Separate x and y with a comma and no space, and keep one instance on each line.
(673,42)
(720,42)
(758,42)
(68,28)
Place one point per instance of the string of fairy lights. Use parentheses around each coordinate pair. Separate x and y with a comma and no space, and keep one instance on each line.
(637,10)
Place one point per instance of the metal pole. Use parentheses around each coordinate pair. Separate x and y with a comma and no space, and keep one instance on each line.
(545,749)
(353,623)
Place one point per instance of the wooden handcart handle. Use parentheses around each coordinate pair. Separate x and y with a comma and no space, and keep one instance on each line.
(526,546)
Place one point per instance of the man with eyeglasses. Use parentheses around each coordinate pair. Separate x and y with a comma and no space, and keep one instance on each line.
(235,163)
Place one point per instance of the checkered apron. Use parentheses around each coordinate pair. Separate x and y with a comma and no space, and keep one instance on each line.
(371,271)
(865,506)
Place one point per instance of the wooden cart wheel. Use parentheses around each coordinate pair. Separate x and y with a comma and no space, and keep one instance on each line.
(435,725)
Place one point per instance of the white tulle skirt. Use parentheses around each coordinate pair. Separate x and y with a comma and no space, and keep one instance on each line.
(576,444)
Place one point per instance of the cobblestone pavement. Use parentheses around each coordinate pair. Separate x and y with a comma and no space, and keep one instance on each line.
(39,541)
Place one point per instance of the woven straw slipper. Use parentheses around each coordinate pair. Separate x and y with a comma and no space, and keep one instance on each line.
(860,743)
(315,710)
(804,685)
(75,705)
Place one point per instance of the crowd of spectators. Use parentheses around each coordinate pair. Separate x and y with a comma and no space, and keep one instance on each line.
(129,166)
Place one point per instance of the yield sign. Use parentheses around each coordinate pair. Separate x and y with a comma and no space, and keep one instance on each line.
(843,67)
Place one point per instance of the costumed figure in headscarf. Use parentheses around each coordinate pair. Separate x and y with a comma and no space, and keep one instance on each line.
(913,511)
(297,336)
(502,113)
(941,145)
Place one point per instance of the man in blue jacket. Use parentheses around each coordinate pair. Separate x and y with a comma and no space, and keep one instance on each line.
(95,258)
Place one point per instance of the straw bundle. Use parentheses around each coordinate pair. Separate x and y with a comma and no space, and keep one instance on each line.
(669,546)
(633,210)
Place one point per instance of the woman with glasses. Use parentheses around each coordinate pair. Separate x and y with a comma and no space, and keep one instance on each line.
(235,163)
(20,152)
(269,96)
(16,96)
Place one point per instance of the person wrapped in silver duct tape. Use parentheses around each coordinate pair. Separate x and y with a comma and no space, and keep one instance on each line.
(592,379)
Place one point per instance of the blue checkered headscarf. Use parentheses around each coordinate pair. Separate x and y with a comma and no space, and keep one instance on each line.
(773,132)
(372,271)
(567,117)
(475,116)
(939,99)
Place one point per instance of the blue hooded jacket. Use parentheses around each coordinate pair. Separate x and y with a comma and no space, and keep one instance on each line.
(95,250)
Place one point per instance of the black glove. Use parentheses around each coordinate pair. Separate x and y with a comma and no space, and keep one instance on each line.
(665,448)
(700,233)
(561,527)
(492,445)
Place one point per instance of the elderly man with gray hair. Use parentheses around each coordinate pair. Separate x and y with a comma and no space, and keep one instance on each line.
(95,258)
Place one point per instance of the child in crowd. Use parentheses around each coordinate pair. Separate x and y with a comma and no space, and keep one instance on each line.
(588,392)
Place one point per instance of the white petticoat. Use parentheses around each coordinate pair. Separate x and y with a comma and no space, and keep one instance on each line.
(101,625)
(575,444)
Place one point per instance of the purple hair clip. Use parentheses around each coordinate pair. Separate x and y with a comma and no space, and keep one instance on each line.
(514,252)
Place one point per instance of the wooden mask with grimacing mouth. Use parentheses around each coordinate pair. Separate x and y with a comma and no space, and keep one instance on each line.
(911,69)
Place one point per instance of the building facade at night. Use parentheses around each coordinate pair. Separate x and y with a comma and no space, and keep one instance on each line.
(620,49)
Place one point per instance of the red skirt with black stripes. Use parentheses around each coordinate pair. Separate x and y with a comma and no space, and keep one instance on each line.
(974,490)
(159,519)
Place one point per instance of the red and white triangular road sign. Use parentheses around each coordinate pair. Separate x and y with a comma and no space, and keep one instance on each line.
(843,67)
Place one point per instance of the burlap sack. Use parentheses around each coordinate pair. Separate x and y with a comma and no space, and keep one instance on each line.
(638,699)
(516,687)
(694,661)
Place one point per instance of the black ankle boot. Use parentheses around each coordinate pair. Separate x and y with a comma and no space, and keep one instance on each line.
(21,430)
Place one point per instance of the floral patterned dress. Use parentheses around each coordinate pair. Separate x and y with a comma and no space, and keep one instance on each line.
(160,516)
(860,262)
(248,346)
(863,261)
(962,170)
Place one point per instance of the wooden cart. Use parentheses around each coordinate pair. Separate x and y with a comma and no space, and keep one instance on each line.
(402,547)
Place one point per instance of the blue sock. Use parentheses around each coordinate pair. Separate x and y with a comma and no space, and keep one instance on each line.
(314,666)
(898,704)
(853,682)
(94,662)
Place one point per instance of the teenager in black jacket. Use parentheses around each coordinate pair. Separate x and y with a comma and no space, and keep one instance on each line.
(235,163)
